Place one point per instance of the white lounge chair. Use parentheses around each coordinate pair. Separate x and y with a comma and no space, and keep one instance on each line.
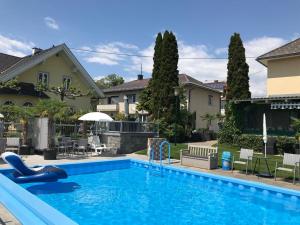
(246,156)
(95,144)
(290,163)
(12,144)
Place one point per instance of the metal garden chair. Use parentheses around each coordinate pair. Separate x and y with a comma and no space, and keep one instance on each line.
(246,156)
(290,163)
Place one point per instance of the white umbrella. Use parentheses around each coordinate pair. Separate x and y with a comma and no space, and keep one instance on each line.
(96,116)
(1,116)
(265,137)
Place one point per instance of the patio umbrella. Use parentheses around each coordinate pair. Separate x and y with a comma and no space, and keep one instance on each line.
(1,116)
(265,137)
(96,116)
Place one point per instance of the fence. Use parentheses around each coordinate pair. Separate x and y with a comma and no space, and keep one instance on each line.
(131,126)
(73,130)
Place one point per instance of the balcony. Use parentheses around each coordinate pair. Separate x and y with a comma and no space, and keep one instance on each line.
(108,108)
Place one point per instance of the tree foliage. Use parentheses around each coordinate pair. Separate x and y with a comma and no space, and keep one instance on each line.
(110,81)
(158,98)
(237,70)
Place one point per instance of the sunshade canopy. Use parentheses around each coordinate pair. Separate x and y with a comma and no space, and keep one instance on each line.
(96,116)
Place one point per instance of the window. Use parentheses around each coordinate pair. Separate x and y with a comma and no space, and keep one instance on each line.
(131,98)
(113,100)
(43,78)
(67,82)
(27,104)
(210,100)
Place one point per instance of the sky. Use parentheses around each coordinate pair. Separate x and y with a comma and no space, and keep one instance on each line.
(202,28)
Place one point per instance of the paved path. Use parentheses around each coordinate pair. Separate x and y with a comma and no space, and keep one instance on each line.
(8,219)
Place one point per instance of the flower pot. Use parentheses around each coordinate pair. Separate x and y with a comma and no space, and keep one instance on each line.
(49,154)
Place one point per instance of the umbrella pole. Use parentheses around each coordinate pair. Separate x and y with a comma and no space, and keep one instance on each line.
(265,150)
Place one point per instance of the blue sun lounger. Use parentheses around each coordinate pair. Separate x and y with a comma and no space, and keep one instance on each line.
(24,174)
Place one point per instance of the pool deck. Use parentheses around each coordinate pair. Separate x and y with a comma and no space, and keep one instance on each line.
(8,219)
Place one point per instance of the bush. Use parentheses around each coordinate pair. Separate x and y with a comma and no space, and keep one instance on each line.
(254,142)
(285,144)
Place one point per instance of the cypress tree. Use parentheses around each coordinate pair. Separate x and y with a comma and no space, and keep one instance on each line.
(158,98)
(154,84)
(237,70)
(169,75)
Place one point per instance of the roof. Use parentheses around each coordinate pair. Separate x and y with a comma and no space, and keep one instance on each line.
(27,89)
(7,61)
(267,99)
(15,68)
(134,85)
(290,49)
(218,85)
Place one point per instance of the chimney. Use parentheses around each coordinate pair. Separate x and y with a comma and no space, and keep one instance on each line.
(36,50)
(140,76)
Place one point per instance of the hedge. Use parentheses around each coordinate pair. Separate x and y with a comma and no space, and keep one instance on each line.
(283,144)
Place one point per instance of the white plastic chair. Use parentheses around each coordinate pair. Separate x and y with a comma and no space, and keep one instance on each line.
(12,144)
(246,156)
(291,160)
(95,144)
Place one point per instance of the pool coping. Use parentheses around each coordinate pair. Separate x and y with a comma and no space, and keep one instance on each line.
(29,209)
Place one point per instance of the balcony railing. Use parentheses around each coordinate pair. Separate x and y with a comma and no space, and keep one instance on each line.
(108,108)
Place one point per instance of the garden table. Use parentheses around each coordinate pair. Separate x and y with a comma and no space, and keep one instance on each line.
(265,160)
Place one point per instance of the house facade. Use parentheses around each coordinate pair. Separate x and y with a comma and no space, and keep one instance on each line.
(53,67)
(201,99)
(282,103)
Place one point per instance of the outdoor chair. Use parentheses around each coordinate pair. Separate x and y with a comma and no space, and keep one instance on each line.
(95,144)
(245,158)
(65,146)
(12,144)
(290,163)
(81,146)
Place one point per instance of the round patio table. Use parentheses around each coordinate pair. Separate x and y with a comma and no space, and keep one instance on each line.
(265,160)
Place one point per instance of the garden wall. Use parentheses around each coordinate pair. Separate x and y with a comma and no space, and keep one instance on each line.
(127,142)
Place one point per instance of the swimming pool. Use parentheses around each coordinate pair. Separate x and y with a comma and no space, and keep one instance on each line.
(128,192)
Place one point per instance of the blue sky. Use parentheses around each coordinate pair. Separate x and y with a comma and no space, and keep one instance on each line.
(203,29)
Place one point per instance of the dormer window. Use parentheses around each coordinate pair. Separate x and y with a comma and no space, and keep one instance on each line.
(66,82)
(43,78)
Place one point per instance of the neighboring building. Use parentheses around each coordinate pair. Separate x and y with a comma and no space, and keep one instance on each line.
(201,99)
(52,67)
(220,86)
(282,102)
(283,65)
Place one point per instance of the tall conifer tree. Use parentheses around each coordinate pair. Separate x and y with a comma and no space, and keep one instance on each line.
(237,70)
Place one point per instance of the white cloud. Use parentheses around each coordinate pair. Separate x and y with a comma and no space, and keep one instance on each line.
(15,47)
(108,59)
(51,23)
(215,69)
(201,69)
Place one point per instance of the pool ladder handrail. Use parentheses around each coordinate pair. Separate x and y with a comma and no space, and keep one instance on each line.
(151,158)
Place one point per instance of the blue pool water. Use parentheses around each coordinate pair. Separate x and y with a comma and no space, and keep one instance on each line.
(135,195)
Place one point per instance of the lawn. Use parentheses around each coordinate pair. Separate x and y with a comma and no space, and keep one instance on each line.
(175,150)
(175,154)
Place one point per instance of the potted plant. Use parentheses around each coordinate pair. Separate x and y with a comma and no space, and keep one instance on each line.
(50,154)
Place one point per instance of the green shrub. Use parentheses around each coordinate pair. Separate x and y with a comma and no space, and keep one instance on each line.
(285,144)
(254,142)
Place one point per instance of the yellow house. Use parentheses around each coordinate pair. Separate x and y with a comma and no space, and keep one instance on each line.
(53,67)
(283,65)
(282,103)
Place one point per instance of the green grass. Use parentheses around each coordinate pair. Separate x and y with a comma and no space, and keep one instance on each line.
(175,150)
(175,154)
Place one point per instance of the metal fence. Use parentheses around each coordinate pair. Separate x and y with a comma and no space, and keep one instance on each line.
(131,126)
(73,130)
